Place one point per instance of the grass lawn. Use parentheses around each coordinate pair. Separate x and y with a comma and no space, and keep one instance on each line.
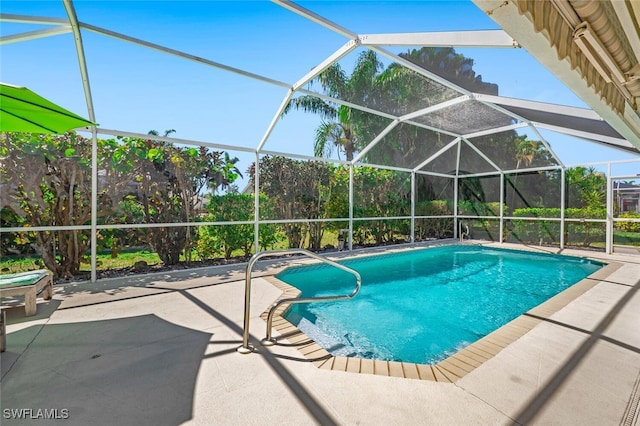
(13,265)
(620,238)
(10,265)
(626,238)
(125,259)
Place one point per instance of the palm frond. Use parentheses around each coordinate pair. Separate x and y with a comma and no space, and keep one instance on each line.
(333,81)
(312,104)
(328,136)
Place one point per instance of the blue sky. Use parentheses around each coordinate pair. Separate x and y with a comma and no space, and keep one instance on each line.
(137,89)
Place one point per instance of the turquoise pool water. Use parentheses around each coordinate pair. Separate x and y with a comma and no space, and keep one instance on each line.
(423,305)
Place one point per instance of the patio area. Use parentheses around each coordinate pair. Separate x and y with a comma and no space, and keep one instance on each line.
(161,349)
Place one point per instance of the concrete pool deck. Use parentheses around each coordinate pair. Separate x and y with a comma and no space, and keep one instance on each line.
(161,349)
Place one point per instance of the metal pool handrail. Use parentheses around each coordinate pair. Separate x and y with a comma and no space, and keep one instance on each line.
(246,348)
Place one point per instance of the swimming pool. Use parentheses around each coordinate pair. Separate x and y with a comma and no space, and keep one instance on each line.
(423,305)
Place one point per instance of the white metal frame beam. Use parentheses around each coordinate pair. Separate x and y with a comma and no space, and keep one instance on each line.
(437,154)
(482,38)
(34,35)
(103,131)
(274,120)
(336,56)
(331,59)
(348,104)
(314,17)
(617,142)
(480,97)
(25,19)
(482,154)
(183,55)
(375,140)
(84,74)
(541,106)
(447,83)
(140,42)
(495,130)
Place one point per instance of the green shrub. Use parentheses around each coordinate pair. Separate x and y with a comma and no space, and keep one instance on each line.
(477,208)
(484,229)
(15,242)
(207,246)
(629,226)
(576,233)
(269,234)
(225,239)
(433,227)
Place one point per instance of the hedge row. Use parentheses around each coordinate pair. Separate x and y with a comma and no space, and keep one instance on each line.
(548,231)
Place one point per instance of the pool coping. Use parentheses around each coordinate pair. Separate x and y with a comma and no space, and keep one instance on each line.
(448,370)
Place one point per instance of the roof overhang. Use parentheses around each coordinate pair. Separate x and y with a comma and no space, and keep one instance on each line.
(592,47)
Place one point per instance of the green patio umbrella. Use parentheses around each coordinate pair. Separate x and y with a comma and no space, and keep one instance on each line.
(22,110)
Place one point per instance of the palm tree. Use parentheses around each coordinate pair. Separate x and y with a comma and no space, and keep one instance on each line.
(157,133)
(396,90)
(338,129)
(224,173)
(401,90)
(330,135)
(586,187)
(455,67)
(526,151)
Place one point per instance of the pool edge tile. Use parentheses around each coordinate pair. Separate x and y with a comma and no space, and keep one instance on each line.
(463,357)
(425,372)
(380,368)
(353,365)
(340,363)
(366,366)
(440,375)
(453,367)
(395,369)
(410,370)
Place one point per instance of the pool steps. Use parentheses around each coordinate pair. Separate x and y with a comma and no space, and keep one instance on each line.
(279,305)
